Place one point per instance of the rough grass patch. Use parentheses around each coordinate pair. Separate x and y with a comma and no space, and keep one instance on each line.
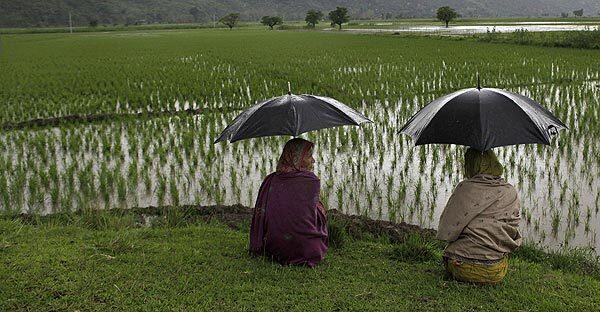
(116,245)
(4,245)
(337,233)
(576,260)
(417,249)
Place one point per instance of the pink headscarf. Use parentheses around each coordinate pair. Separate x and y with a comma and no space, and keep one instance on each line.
(296,156)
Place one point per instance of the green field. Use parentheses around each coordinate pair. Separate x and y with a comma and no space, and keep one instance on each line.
(120,152)
(106,262)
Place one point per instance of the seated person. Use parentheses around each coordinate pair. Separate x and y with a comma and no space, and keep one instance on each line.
(480,222)
(289,223)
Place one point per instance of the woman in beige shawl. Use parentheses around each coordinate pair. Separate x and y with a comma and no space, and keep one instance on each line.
(480,222)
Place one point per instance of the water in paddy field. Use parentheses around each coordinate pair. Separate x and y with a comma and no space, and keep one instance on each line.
(372,170)
(475,29)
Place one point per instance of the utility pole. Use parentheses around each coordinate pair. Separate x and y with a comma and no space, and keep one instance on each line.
(214,20)
(70,23)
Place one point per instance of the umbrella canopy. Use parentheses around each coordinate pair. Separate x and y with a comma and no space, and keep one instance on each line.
(290,115)
(483,118)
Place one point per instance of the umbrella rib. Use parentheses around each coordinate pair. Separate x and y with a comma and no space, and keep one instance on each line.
(548,114)
(258,106)
(431,114)
(297,120)
(334,106)
(516,101)
(481,133)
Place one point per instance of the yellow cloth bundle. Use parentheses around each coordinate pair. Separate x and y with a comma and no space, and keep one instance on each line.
(477,272)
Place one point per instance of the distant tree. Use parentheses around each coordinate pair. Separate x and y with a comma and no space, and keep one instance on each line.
(446,14)
(578,13)
(564,14)
(271,21)
(339,16)
(313,17)
(230,19)
(94,23)
(195,13)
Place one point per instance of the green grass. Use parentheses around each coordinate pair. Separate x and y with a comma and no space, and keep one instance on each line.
(55,265)
(580,260)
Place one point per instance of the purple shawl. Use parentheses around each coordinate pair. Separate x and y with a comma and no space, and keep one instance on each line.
(288,223)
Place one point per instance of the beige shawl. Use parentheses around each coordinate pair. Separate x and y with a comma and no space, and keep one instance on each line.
(481,219)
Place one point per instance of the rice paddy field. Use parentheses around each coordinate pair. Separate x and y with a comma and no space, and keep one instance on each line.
(150,104)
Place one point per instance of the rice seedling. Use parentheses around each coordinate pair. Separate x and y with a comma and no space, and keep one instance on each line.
(55,195)
(4,194)
(121,190)
(174,192)
(161,190)
(340,199)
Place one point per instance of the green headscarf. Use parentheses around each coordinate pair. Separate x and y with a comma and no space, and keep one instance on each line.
(477,162)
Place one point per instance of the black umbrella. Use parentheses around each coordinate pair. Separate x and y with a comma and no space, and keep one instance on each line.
(483,118)
(290,115)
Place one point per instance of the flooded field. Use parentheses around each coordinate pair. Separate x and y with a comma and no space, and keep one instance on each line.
(476,29)
(150,160)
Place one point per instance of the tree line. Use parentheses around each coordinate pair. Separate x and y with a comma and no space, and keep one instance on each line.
(338,17)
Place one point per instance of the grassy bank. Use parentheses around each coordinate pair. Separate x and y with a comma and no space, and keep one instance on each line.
(101,261)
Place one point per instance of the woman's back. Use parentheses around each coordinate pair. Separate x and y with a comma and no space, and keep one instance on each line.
(481,219)
(480,222)
(289,223)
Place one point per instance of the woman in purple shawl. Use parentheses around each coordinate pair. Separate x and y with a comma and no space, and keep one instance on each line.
(289,221)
